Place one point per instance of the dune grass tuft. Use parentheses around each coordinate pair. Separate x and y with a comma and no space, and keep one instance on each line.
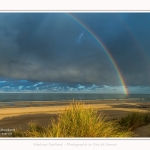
(134,120)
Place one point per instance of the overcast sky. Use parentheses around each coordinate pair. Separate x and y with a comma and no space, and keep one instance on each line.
(49,48)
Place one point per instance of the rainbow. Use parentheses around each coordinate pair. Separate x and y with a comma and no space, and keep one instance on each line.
(98,40)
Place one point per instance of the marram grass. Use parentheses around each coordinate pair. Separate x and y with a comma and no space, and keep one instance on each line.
(134,120)
(77,121)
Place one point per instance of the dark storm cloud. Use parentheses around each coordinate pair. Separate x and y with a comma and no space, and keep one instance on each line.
(126,35)
(55,48)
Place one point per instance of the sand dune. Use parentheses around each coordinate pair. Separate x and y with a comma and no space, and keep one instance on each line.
(19,114)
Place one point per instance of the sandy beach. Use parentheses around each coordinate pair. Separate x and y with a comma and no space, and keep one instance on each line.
(17,115)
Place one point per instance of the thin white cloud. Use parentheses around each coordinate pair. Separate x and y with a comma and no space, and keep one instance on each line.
(24,81)
(79,38)
(2,81)
(6,87)
(38,83)
(20,87)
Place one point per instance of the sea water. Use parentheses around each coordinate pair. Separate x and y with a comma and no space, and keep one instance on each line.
(14,97)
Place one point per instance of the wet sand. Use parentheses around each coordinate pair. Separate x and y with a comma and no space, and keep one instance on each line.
(18,114)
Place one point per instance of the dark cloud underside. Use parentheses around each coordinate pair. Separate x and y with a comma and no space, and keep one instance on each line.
(49,47)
